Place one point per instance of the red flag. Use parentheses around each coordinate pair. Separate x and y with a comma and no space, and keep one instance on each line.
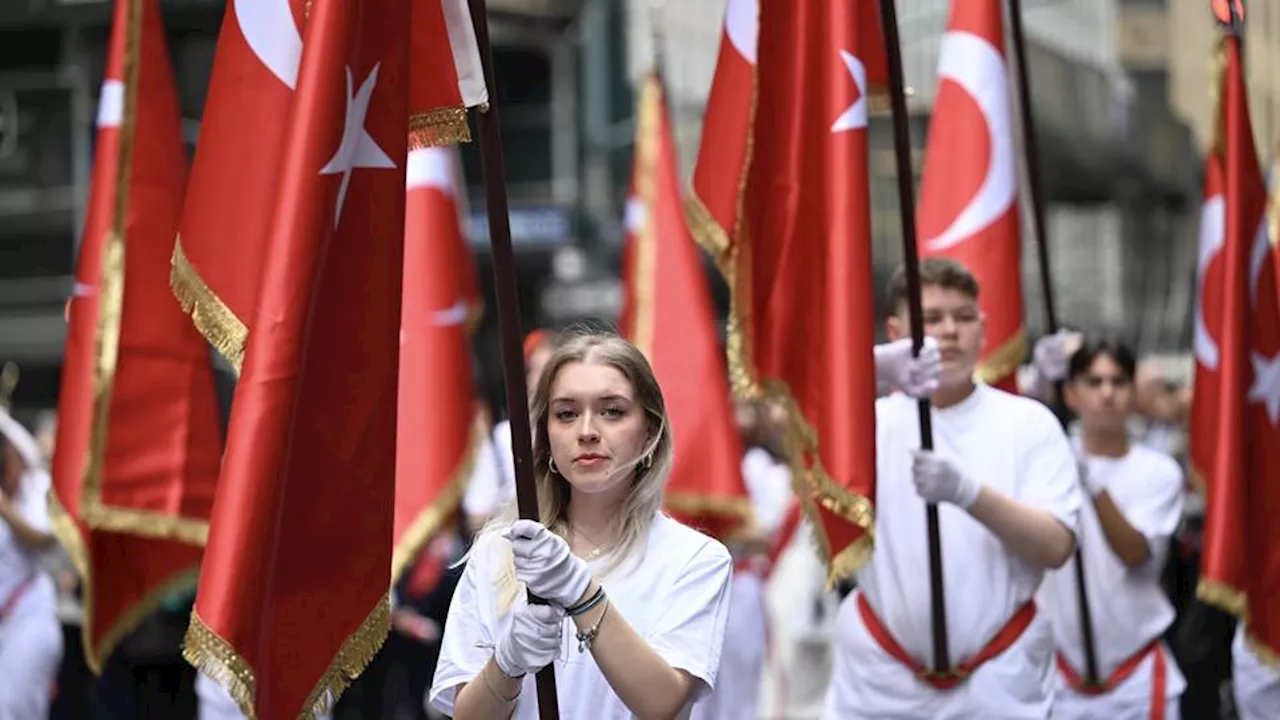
(714,207)
(435,439)
(668,315)
(293,597)
(1208,323)
(1240,566)
(969,186)
(136,459)
(800,261)
(218,259)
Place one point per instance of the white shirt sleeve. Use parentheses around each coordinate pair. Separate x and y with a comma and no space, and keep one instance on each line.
(32,504)
(467,643)
(1156,511)
(484,488)
(1048,474)
(690,633)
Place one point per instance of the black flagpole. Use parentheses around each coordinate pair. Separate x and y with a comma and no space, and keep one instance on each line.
(1035,197)
(911,262)
(504,277)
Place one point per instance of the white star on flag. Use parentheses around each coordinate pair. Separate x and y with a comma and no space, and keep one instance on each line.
(855,117)
(455,314)
(1266,384)
(357,149)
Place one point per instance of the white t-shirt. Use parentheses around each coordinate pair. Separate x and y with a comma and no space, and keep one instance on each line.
(676,597)
(769,485)
(1006,442)
(18,564)
(487,488)
(1256,686)
(1127,607)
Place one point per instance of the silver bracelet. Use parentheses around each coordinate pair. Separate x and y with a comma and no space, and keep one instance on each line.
(586,637)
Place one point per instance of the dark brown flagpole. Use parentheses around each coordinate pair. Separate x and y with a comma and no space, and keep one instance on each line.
(504,280)
(911,262)
(1035,198)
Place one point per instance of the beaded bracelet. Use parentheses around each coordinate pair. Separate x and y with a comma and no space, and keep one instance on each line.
(585,607)
(587,637)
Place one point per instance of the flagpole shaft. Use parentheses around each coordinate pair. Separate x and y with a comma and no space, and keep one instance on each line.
(504,277)
(911,262)
(1036,199)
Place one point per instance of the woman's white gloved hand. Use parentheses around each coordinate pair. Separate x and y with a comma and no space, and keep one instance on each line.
(532,642)
(545,565)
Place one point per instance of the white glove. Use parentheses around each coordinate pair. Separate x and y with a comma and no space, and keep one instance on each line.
(915,376)
(533,640)
(1052,353)
(938,480)
(545,565)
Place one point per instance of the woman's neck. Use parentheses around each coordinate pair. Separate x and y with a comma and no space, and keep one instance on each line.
(592,516)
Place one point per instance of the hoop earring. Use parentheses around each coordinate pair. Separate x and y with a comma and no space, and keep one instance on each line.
(551,465)
(648,460)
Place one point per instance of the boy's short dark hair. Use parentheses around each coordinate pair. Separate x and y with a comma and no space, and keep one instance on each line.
(937,271)
(1119,353)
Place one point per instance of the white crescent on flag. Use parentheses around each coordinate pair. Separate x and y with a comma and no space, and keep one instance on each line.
(268,27)
(1213,219)
(976,66)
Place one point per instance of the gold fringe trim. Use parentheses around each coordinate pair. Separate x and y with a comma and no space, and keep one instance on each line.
(352,659)
(225,332)
(427,524)
(68,535)
(737,509)
(1223,596)
(704,228)
(1264,652)
(213,656)
(442,126)
(1004,360)
(150,602)
(144,523)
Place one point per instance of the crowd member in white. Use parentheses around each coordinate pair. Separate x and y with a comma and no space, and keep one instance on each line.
(1255,685)
(1005,481)
(650,645)
(30,635)
(768,481)
(493,476)
(1136,505)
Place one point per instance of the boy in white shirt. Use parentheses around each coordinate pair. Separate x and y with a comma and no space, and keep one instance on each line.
(1135,507)
(1005,481)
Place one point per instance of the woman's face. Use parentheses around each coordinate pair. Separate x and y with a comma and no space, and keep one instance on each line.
(597,430)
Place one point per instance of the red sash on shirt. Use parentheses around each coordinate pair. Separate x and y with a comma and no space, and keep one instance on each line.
(1002,641)
(11,602)
(1122,673)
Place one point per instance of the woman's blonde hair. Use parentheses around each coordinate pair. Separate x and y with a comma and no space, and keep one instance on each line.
(651,468)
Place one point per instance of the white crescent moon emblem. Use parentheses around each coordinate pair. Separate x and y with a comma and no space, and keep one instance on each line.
(1213,220)
(973,64)
(268,27)
(430,168)
(742,26)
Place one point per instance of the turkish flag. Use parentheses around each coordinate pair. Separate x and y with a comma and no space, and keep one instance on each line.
(969,186)
(136,459)
(1210,293)
(668,315)
(1240,565)
(435,441)
(714,208)
(293,598)
(800,266)
(219,255)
